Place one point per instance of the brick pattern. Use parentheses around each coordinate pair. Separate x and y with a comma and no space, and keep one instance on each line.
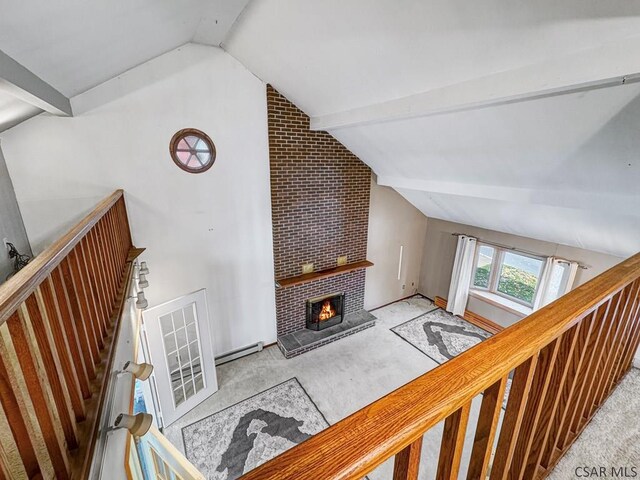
(319,193)
(308,348)
(291,301)
(320,209)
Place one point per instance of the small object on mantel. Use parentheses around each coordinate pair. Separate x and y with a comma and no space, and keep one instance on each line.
(342,260)
(330,272)
(307,268)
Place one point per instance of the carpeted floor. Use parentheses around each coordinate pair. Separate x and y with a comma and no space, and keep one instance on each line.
(611,440)
(229,443)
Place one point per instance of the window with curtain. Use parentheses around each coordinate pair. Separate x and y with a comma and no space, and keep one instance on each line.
(529,280)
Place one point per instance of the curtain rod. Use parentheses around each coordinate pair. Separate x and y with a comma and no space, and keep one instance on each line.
(507,247)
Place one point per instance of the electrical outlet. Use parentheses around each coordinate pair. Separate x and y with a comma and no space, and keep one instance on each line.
(403,286)
(342,260)
(307,268)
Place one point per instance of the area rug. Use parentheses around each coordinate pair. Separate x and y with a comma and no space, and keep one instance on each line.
(233,441)
(442,336)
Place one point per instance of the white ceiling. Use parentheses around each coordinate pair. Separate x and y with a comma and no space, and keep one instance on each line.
(560,168)
(378,74)
(334,55)
(14,110)
(75,45)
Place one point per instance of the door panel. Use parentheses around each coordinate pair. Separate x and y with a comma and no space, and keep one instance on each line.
(181,349)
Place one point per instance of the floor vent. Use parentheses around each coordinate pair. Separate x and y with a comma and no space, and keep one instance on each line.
(241,352)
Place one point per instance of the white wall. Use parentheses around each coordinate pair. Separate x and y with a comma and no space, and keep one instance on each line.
(393,222)
(209,230)
(11,225)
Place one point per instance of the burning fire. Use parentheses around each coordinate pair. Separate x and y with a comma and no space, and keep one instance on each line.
(327,311)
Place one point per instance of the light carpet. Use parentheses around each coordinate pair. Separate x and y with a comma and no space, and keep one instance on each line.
(612,438)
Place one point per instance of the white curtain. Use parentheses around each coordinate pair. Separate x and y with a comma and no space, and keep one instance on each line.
(557,279)
(461,275)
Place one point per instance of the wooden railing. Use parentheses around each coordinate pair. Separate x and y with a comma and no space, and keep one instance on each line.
(58,321)
(566,359)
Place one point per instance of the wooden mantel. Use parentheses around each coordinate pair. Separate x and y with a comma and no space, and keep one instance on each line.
(329,272)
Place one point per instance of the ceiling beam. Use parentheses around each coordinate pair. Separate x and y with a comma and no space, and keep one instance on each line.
(629,204)
(28,87)
(613,64)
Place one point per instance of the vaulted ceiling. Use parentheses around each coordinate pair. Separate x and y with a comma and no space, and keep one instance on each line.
(517,116)
(512,115)
(70,46)
(75,45)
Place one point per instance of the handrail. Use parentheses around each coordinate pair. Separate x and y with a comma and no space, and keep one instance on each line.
(16,290)
(59,319)
(541,348)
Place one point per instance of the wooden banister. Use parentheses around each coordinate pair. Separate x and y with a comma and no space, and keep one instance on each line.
(59,319)
(566,357)
(22,284)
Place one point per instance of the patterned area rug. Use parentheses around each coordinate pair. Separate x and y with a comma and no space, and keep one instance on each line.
(442,336)
(233,441)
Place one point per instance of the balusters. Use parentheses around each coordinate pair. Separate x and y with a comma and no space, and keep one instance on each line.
(486,429)
(52,338)
(537,393)
(632,345)
(589,390)
(90,297)
(623,339)
(20,444)
(516,407)
(68,363)
(568,356)
(78,349)
(23,360)
(86,337)
(563,384)
(407,462)
(40,327)
(455,427)
(611,349)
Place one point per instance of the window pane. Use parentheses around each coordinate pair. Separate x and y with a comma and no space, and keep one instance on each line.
(519,276)
(483,268)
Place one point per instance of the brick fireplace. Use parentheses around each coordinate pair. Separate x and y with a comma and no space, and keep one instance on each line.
(320,209)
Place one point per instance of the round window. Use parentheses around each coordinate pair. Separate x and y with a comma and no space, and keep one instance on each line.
(192,150)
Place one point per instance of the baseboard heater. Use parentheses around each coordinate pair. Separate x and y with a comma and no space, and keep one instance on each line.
(240,352)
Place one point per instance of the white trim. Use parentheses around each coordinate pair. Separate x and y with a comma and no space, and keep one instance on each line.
(497,262)
(170,411)
(501,302)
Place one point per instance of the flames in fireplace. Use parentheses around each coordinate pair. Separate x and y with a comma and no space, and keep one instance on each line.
(327,311)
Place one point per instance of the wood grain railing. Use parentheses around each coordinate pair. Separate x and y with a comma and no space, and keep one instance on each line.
(566,359)
(58,320)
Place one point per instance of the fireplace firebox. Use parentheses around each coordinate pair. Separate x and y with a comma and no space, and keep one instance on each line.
(325,311)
